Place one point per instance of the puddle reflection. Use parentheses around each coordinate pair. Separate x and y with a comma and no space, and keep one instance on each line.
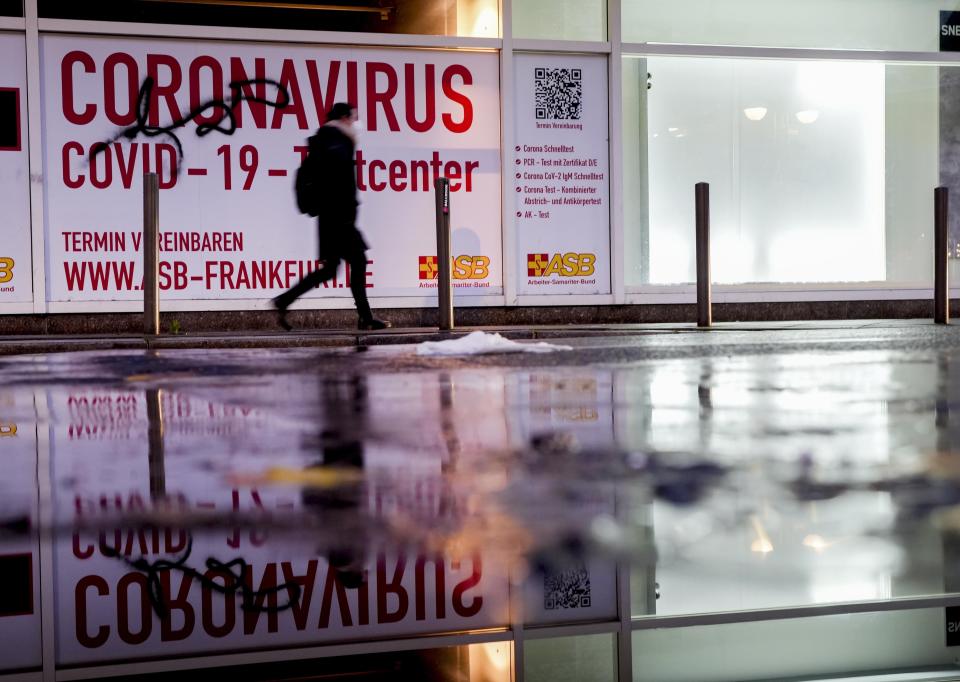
(175,514)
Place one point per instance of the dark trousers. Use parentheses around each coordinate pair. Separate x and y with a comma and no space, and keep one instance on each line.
(356,258)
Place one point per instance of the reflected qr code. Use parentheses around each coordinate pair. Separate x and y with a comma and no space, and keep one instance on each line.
(567,589)
(558,93)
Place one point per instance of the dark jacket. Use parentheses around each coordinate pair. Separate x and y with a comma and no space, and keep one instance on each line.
(338,192)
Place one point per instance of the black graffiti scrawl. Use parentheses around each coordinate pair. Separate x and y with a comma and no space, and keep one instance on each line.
(226,122)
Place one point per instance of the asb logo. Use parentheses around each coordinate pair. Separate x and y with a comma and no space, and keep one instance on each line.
(6,270)
(464,267)
(428,267)
(569,264)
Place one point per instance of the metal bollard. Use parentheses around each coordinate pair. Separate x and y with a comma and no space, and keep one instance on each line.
(151,256)
(941,292)
(444,291)
(704,305)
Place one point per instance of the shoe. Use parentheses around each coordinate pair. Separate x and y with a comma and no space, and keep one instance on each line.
(282,314)
(373,324)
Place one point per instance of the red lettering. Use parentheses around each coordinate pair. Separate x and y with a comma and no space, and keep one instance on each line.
(363,597)
(266,592)
(179,603)
(288,80)
(123,609)
(375,185)
(226,275)
(359,163)
(343,605)
(471,167)
(214,114)
(353,83)
(384,98)
(80,599)
(73,182)
(398,176)
(178,546)
(258,109)
(300,607)
(323,100)
(464,101)
(276,279)
(104,158)
(167,92)
(111,92)
(440,592)
(410,89)
(66,84)
(117,543)
(393,586)
(81,553)
(461,588)
(229,606)
(167,173)
(125,164)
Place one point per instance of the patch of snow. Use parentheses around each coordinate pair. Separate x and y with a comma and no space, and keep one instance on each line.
(481,343)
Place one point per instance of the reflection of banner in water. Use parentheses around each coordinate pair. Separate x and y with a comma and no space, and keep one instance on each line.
(105,612)
(20,646)
(949,150)
(105,609)
(578,403)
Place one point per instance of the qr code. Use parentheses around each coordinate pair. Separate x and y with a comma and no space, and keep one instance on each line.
(567,589)
(558,93)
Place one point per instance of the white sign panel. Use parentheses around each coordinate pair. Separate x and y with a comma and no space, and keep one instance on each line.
(229,225)
(15,264)
(561,174)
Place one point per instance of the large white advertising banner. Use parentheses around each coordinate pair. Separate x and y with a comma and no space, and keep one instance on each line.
(229,225)
(15,264)
(561,174)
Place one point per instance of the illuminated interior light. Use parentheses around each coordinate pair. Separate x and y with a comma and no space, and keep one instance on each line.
(498,655)
(816,543)
(485,25)
(808,116)
(761,544)
(755,113)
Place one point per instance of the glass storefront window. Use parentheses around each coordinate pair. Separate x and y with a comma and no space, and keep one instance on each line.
(892,642)
(818,171)
(908,25)
(560,19)
(475,18)
(589,658)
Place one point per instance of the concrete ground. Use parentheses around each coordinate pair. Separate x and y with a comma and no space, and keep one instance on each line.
(340,338)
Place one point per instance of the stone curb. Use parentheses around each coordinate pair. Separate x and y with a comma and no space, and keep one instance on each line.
(19,345)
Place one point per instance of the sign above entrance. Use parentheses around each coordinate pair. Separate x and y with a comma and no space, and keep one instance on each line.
(949,31)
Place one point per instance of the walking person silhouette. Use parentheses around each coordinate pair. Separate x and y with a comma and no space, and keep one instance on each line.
(327,188)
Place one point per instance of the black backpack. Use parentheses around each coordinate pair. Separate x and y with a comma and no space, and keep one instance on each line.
(307,185)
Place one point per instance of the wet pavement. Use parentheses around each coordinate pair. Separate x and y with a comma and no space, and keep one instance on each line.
(172,502)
